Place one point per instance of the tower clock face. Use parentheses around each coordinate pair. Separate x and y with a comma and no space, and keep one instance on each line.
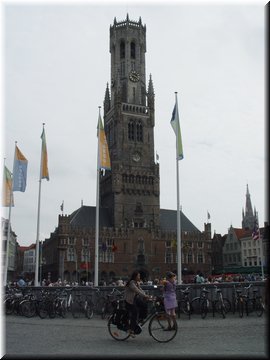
(134,76)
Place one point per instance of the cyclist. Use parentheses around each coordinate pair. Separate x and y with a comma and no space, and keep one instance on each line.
(134,298)
(170,302)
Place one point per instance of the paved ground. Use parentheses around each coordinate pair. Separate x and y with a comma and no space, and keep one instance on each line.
(211,337)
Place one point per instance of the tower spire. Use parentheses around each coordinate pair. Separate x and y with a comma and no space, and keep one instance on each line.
(107,100)
(248,216)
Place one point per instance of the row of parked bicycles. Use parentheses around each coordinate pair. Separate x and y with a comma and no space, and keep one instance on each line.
(242,302)
(47,303)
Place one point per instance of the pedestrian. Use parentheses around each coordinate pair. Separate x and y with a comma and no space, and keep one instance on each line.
(170,301)
(135,297)
(199,278)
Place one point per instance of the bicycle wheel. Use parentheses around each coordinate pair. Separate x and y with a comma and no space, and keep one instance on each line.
(115,332)
(100,305)
(241,307)
(259,307)
(28,308)
(204,308)
(227,305)
(220,308)
(108,310)
(61,308)
(89,311)
(9,306)
(159,325)
(42,309)
(76,310)
(185,308)
(195,305)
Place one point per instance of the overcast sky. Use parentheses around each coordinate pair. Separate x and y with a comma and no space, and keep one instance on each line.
(56,64)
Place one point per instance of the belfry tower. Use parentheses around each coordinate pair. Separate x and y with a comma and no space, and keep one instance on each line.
(131,189)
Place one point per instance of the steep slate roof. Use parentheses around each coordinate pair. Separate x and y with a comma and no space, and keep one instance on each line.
(168,221)
(85,216)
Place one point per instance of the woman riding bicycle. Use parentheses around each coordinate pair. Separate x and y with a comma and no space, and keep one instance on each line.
(134,299)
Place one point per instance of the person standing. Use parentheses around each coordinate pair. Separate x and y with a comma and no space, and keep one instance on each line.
(170,301)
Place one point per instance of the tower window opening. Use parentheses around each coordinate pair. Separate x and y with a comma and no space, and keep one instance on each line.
(132,50)
(139,130)
(131,130)
(122,50)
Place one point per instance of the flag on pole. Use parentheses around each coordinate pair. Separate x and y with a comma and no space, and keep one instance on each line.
(256,231)
(176,127)
(19,171)
(44,158)
(104,156)
(7,193)
(208,215)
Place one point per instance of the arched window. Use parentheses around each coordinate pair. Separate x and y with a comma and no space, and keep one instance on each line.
(132,50)
(122,50)
(139,131)
(131,130)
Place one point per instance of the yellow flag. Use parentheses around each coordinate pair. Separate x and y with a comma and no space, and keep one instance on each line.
(7,193)
(44,158)
(104,156)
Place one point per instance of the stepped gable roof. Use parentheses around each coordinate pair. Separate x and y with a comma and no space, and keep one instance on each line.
(168,221)
(85,216)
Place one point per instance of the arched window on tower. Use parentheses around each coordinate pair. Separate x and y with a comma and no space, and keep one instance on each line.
(132,50)
(139,131)
(122,50)
(131,130)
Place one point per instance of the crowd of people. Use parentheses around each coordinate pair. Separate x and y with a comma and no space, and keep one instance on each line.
(199,278)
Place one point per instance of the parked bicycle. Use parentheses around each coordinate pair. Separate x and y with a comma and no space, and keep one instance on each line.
(184,304)
(201,303)
(111,302)
(159,322)
(254,303)
(220,304)
(82,305)
(13,301)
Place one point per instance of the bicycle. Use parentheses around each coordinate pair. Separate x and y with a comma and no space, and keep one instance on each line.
(184,304)
(110,302)
(201,303)
(253,303)
(159,322)
(13,301)
(220,304)
(238,301)
(81,304)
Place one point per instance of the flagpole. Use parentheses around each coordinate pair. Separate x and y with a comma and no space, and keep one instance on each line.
(179,258)
(38,219)
(8,233)
(97,213)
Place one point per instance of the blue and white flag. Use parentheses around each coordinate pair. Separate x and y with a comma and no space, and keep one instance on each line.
(19,171)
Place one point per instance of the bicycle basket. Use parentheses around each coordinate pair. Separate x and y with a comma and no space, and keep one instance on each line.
(159,303)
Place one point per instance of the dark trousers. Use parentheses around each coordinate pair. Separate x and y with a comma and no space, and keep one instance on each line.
(136,310)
